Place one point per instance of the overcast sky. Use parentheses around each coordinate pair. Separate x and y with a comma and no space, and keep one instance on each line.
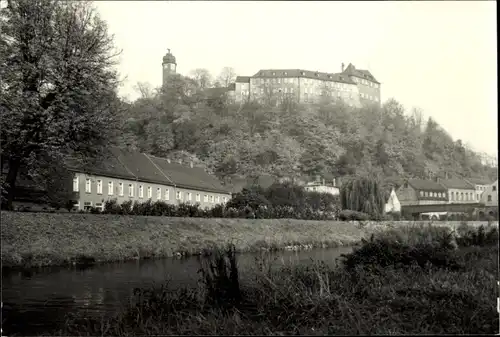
(437,55)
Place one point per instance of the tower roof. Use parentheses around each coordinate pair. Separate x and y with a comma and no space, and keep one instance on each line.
(169,58)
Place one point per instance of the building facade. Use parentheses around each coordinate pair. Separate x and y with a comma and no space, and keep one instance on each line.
(480,185)
(459,191)
(392,205)
(490,196)
(421,192)
(323,187)
(133,176)
(355,87)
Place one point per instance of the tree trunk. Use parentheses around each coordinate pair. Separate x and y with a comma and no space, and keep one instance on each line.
(14,165)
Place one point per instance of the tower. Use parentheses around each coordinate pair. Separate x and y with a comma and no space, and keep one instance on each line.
(169,66)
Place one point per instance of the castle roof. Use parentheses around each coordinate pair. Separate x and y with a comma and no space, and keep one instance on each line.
(281,73)
(169,58)
(352,71)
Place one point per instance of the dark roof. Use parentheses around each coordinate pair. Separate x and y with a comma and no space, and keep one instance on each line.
(275,73)
(187,177)
(479,181)
(456,183)
(429,185)
(352,71)
(242,79)
(141,167)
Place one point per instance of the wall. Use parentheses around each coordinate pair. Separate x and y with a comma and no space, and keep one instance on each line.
(95,198)
(492,191)
(407,195)
(367,90)
(323,189)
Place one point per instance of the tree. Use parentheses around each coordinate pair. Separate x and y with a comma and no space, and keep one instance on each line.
(58,93)
(202,77)
(362,194)
(226,76)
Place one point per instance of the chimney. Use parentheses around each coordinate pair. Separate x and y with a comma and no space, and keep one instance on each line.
(191,164)
(342,66)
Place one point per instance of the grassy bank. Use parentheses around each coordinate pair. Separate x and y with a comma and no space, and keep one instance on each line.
(380,289)
(44,239)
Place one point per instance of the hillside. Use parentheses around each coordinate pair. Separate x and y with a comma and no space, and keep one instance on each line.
(329,138)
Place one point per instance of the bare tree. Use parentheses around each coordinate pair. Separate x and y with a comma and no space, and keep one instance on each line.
(202,77)
(144,89)
(226,76)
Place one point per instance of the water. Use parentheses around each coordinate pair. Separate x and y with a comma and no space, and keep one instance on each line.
(36,301)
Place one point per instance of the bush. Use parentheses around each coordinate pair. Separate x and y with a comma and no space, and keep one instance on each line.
(348,215)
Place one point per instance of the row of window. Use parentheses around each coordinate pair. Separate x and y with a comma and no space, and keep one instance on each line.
(306,81)
(433,194)
(178,196)
(366,82)
(462,196)
(370,97)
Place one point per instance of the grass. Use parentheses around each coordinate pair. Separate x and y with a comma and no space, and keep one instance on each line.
(45,239)
(365,296)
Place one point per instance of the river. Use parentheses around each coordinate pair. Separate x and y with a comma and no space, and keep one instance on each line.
(37,301)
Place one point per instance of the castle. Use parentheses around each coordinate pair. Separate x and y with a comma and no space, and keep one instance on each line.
(356,87)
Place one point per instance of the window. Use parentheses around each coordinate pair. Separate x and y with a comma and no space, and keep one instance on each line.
(158,193)
(217,200)
(189,196)
(273,80)
(286,90)
(87,205)
(493,188)
(489,197)
(279,80)
(120,185)
(211,199)
(130,190)
(100,206)
(99,186)
(274,74)
(76,183)
(291,90)
(285,73)
(88,185)
(224,199)
(76,206)
(205,198)
(198,197)
(452,196)
(478,196)
(141,191)
(462,196)
(167,194)
(426,194)
(178,195)
(150,192)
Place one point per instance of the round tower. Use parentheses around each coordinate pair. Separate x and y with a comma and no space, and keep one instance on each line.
(169,66)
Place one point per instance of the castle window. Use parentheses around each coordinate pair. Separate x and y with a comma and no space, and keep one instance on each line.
(88,186)
(76,183)
(274,74)
(493,188)
(279,80)
(489,197)
(302,73)
(285,73)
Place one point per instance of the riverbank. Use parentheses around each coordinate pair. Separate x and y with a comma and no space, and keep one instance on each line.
(406,282)
(52,239)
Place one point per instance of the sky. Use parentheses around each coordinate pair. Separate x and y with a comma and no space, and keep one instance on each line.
(439,56)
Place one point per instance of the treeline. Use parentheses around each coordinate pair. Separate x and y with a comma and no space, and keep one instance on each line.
(327,138)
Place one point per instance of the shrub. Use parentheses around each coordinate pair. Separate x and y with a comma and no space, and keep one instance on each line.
(112,207)
(348,215)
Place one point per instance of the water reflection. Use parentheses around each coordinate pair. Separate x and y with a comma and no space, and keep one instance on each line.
(44,297)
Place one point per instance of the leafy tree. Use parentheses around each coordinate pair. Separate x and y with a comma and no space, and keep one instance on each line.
(58,91)
(362,194)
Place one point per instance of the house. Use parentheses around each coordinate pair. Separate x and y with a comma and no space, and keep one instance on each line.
(322,186)
(393,205)
(134,176)
(480,185)
(459,191)
(490,196)
(421,192)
